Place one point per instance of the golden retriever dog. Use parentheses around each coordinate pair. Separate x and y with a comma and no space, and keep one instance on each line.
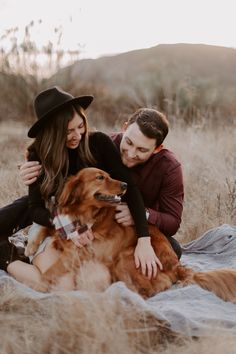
(88,198)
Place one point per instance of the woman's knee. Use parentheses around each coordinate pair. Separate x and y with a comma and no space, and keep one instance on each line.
(13,267)
(44,260)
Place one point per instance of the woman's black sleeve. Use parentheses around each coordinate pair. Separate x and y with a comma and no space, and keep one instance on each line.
(38,211)
(111,163)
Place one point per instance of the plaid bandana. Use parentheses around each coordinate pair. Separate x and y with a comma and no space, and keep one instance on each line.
(67,228)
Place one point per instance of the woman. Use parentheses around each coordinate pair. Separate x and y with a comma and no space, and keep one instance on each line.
(63,145)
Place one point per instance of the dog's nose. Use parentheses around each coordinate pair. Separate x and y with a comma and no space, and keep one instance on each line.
(123,186)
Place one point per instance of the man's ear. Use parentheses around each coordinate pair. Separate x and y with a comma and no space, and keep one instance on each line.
(158,149)
(124,126)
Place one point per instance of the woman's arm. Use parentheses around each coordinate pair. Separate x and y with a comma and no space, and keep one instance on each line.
(38,211)
(109,160)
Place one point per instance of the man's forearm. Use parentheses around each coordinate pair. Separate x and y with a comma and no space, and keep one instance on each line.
(166,223)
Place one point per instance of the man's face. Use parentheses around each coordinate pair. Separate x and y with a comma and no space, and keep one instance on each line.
(135,147)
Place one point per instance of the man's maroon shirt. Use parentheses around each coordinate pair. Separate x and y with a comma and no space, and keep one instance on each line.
(160,181)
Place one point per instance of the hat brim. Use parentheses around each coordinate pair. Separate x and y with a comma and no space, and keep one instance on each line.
(82,101)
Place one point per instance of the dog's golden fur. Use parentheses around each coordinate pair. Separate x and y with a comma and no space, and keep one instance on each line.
(112,249)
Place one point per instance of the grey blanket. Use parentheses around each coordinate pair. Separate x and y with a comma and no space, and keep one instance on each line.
(190,310)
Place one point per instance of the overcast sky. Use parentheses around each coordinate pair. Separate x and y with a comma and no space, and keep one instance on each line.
(104,27)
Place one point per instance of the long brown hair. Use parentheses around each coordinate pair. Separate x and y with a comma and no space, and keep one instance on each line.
(50,147)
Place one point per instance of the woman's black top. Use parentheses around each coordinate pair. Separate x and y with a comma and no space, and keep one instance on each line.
(108,159)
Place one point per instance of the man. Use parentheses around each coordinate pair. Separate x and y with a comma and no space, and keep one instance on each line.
(155,169)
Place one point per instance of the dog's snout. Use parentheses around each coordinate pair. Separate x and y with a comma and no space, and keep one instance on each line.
(123,186)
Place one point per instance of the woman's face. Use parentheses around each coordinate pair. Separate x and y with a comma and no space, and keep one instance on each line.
(75,131)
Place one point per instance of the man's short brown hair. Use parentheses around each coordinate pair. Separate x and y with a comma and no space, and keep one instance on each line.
(152,123)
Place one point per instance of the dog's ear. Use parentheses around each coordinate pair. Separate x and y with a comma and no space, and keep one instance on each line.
(69,195)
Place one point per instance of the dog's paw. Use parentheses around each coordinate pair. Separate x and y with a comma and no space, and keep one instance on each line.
(30,249)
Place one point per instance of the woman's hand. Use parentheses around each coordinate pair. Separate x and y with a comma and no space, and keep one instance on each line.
(145,257)
(29,172)
(83,239)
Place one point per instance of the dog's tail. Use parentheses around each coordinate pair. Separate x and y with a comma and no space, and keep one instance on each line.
(221,282)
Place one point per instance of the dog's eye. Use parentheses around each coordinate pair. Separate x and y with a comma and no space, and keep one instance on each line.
(100,177)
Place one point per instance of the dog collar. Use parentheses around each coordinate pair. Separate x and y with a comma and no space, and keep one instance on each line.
(67,228)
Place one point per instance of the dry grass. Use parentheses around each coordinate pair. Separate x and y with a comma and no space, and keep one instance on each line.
(12,146)
(209,164)
(99,323)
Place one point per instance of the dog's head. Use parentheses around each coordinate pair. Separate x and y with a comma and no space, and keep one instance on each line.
(92,187)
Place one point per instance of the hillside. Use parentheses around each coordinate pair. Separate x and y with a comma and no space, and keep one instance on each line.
(182,79)
(175,60)
(189,82)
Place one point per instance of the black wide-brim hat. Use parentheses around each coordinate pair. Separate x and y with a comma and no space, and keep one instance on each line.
(50,101)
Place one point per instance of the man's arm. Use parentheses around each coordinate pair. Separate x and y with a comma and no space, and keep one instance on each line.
(167,212)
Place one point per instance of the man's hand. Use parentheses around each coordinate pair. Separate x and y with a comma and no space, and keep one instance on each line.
(123,215)
(29,172)
(145,257)
(83,239)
